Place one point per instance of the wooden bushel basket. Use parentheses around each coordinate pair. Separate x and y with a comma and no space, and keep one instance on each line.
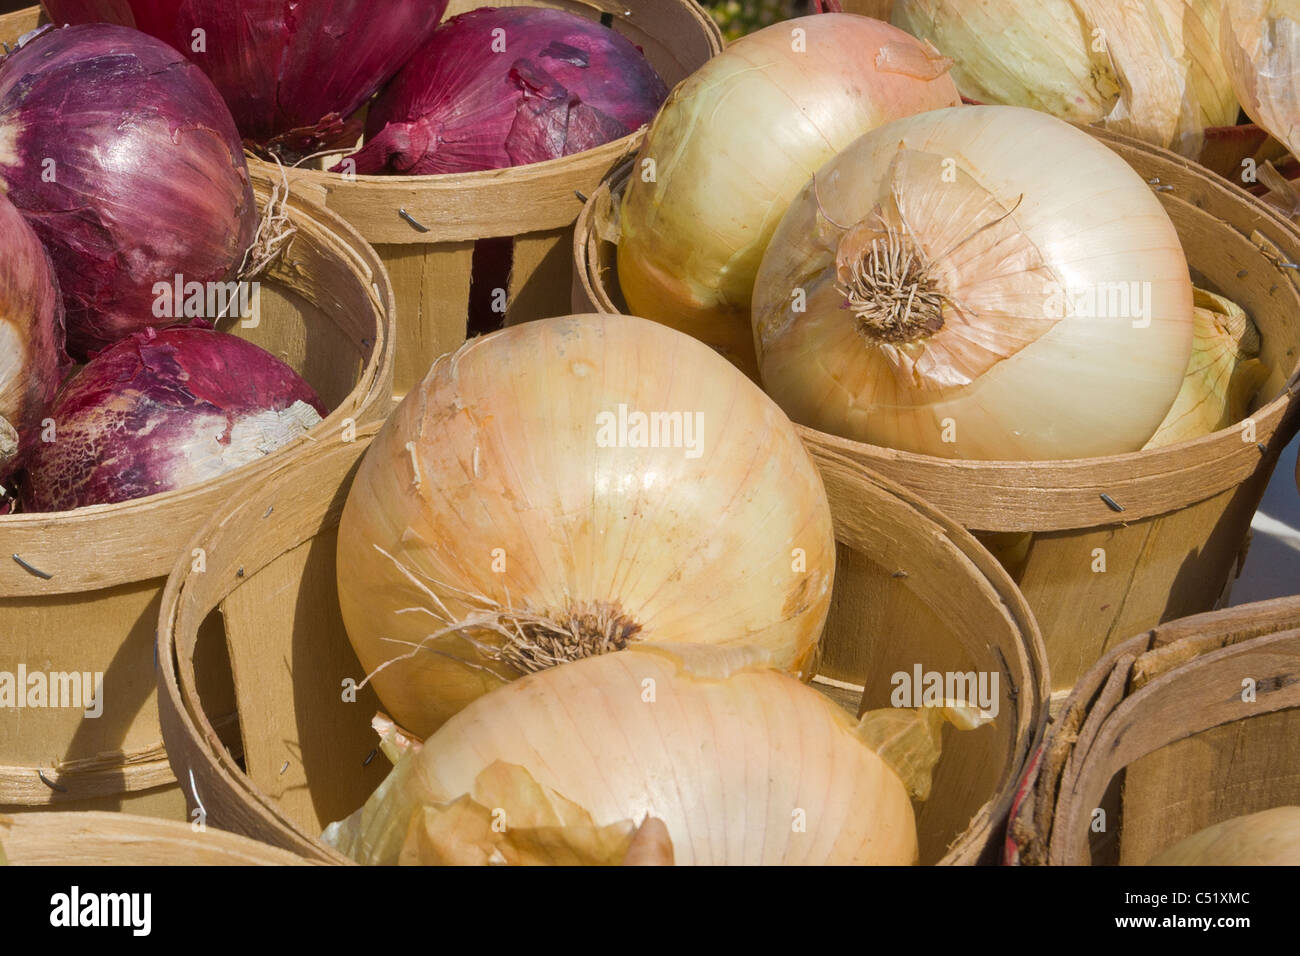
(80,591)
(1191,724)
(425,227)
(119,839)
(309,756)
(1186,509)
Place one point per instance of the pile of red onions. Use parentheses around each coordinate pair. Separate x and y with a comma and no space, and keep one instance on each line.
(31,336)
(291,72)
(124,159)
(495,88)
(163,410)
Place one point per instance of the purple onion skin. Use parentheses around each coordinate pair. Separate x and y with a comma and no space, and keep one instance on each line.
(131,422)
(32,359)
(126,162)
(292,71)
(564,84)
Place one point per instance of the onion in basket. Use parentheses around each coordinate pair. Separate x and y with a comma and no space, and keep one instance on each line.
(732,146)
(742,763)
(31,335)
(123,158)
(986,282)
(163,410)
(1268,838)
(569,487)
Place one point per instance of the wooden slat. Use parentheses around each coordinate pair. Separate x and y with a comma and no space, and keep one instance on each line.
(541,276)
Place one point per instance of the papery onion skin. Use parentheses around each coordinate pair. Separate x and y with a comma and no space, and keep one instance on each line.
(1022,216)
(1147,68)
(1260,40)
(31,333)
(490,479)
(563,84)
(730,150)
(123,158)
(1268,838)
(165,410)
(290,72)
(731,755)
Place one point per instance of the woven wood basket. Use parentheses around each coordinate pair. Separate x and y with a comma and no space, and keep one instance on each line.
(916,590)
(1158,738)
(81,591)
(425,228)
(119,839)
(1175,531)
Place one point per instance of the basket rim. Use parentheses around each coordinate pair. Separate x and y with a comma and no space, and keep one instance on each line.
(1276,421)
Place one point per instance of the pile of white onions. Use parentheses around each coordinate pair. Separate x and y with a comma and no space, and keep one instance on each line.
(1148,68)
(1268,838)
(732,146)
(569,487)
(980,283)
(742,763)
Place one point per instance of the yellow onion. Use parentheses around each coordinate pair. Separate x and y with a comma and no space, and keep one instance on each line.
(1268,838)
(731,148)
(1260,40)
(1223,375)
(1148,68)
(742,763)
(505,520)
(986,282)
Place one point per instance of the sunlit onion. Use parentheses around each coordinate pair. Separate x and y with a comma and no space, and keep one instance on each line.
(31,335)
(986,282)
(514,514)
(1268,838)
(504,87)
(123,158)
(732,147)
(292,73)
(165,410)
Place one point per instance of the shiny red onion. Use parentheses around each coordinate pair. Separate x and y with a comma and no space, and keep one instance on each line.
(504,87)
(122,156)
(31,336)
(292,71)
(163,410)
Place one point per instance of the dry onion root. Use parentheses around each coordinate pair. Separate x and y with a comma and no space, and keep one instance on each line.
(985,283)
(512,515)
(742,763)
(1268,838)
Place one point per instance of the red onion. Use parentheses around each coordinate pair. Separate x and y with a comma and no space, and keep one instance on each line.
(123,158)
(163,410)
(31,335)
(549,84)
(292,72)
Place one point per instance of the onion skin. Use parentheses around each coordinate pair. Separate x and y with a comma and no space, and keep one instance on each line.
(563,84)
(290,72)
(490,479)
(1268,838)
(161,411)
(731,149)
(1260,40)
(149,178)
(31,333)
(729,754)
(1030,212)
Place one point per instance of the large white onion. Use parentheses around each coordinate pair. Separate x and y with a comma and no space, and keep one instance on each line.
(1268,838)
(495,514)
(745,765)
(1261,47)
(1017,218)
(731,148)
(1148,68)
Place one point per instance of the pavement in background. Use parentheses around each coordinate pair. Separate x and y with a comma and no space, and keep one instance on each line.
(1273,563)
